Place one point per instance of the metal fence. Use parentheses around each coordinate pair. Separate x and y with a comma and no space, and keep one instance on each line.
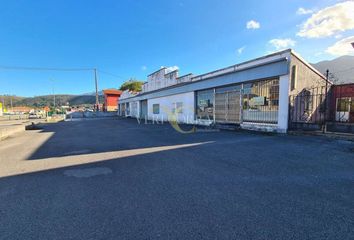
(254,102)
(308,109)
(261,101)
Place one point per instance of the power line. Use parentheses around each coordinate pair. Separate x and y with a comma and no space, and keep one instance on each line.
(60,70)
(111,74)
(21,68)
(45,69)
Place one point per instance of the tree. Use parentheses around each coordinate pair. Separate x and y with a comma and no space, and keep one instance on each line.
(132,85)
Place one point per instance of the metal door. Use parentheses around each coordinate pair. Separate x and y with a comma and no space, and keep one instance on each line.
(143,109)
(228,107)
(123,110)
(234,107)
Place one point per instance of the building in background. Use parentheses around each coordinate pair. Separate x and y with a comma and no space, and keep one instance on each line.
(111,97)
(342,103)
(260,94)
(20,110)
(165,77)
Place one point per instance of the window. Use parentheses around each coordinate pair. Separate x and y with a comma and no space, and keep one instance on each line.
(156,108)
(261,101)
(293,77)
(343,104)
(177,107)
(308,101)
(205,104)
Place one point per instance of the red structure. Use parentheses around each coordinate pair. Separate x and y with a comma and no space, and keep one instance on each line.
(111,97)
(342,103)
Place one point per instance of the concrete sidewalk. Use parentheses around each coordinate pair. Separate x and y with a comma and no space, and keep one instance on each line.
(8,130)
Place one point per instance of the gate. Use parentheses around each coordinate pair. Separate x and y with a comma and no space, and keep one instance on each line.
(228,107)
(308,109)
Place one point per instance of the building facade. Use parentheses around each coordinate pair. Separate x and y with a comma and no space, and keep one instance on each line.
(254,94)
(342,103)
(111,97)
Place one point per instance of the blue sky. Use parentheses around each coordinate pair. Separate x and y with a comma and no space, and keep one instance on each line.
(133,38)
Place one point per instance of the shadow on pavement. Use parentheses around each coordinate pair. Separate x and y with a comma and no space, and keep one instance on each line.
(107,135)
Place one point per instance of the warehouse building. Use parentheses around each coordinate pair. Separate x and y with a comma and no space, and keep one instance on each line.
(254,94)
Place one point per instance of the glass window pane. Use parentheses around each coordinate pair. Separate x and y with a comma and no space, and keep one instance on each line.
(261,101)
(179,107)
(205,104)
(156,108)
(342,105)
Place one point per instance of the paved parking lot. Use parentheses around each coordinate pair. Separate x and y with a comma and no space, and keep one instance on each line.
(116,179)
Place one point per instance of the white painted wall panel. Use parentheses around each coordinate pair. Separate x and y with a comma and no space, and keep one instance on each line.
(167,105)
(283,114)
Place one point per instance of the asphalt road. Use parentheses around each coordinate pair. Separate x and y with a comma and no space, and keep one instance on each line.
(115,179)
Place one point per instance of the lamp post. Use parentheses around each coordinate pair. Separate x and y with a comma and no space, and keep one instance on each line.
(96,86)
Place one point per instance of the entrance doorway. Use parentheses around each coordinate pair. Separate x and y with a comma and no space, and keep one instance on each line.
(228,107)
(143,109)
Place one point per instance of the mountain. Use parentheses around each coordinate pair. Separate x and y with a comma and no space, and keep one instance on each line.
(341,69)
(93,93)
(47,100)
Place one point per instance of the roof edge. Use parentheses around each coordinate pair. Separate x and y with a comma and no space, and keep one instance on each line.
(295,54)
(246,62)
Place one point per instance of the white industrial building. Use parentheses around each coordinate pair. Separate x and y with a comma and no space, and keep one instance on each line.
(253,94)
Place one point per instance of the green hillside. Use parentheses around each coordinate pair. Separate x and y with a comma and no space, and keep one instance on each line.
(48,100)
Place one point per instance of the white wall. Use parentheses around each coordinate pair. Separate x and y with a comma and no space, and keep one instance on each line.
(283,114)
(167,104)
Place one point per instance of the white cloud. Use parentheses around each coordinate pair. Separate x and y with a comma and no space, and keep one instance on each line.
(303,11)
(329,21)
(240,50)
(143,68)
(282,43)
(253,24)
(342,47)
(171,69)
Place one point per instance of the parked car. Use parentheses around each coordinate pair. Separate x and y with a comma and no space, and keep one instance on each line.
(34,116)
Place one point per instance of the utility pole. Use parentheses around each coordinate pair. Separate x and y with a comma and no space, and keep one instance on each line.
(53,95)
(325,103)
(96,85)
(12,108)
